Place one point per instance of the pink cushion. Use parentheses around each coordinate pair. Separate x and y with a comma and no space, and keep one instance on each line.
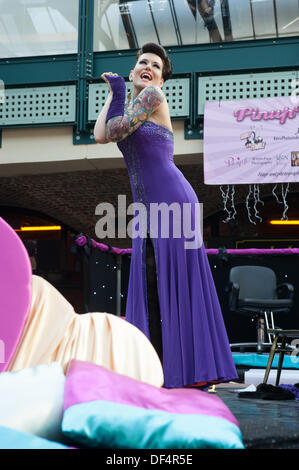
(15,291)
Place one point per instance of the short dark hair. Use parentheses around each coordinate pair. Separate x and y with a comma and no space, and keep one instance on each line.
(160,51)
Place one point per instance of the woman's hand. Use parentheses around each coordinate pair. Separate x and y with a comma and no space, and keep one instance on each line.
(103,77)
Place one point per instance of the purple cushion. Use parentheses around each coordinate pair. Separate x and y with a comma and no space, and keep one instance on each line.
(104,409)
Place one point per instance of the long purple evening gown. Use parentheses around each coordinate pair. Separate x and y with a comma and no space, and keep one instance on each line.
(195,346)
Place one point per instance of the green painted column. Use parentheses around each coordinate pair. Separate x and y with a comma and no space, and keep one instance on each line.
(82,134)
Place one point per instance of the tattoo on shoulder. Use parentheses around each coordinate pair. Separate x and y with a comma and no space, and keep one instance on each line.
(151,97)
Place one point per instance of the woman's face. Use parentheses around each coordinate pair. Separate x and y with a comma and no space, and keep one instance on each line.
(147,71)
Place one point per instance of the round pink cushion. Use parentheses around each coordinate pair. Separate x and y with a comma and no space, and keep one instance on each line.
(15,291)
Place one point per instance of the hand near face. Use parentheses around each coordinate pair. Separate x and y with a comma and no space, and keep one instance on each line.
(110,74)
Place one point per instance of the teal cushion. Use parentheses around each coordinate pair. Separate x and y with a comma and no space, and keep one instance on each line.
(13,439)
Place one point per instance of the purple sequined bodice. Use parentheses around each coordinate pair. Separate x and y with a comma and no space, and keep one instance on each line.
(148,154)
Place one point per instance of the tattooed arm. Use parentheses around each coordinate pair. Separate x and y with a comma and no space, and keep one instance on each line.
(148,100)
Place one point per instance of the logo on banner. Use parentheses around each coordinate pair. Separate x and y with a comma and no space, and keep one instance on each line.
(253,142)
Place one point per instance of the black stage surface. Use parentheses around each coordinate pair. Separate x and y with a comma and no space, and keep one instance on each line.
(265,424)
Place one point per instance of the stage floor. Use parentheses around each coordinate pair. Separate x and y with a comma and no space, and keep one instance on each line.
(265,424)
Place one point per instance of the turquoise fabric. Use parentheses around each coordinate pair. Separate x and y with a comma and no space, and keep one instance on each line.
(261,360)
(104,424)
(13,439)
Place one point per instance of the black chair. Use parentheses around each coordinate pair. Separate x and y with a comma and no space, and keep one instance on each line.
(253,291)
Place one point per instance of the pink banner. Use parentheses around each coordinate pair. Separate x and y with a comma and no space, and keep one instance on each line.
(251,141)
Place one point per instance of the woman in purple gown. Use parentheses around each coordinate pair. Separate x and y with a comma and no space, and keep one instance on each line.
(171,294)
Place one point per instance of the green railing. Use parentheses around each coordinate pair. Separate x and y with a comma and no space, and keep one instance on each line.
(66,89)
